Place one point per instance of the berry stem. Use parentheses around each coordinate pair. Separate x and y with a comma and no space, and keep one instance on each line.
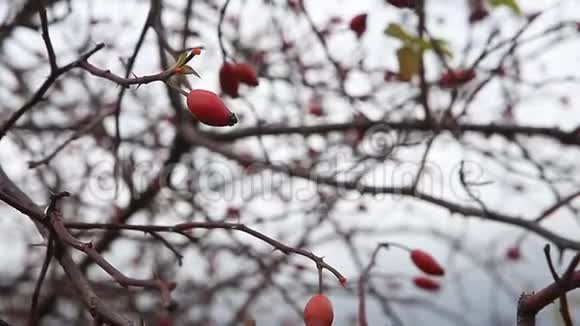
(396,245)
(319,280)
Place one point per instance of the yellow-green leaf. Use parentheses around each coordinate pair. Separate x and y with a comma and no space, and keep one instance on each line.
(396,31)
(417,43)
(512,4)
(439,45)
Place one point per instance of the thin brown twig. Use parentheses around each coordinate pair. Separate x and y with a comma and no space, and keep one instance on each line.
(220,30)
(76,135)
(363,279)
(43,271)
(46,36)
(505,130)
(531,303)
(204,225)
(125,81)
(37,97)
(564,309)
(550,210)
(154,10)
(88,248)
(169,246)
(12,195)
(424,87)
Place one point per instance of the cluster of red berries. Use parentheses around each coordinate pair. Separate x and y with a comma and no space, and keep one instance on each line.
(233,74)
(319,312)
(428,265)
(209,108)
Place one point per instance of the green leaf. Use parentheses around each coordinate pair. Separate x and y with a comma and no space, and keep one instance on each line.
(439,45)
(396,31)
(512,4)
(415,42)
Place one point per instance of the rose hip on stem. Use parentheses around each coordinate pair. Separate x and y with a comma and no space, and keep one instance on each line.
(246,74)
(318,311)
(426,263)
(229,81)
(426,283)
(454,78)
(209,109)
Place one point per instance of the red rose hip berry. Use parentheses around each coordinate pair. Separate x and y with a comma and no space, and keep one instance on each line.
(209,109)
(426,263)
(229,81)
(246,74)
(426,283)
(318,311)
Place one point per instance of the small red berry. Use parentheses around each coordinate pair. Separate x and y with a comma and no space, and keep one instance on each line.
(426,263)
(402,3)
(318,311)
(358,24)
(229,81)
(477,14)
(233,212)
(295,5)
(209,109)
(246,160)
(246,74)
(315,108)
(454,78)
(426,283)
(513,253)
(313,154)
